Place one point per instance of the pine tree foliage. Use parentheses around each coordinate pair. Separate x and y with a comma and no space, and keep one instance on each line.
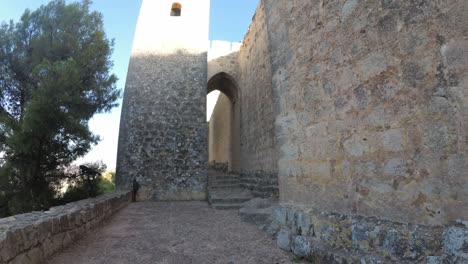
(54,76)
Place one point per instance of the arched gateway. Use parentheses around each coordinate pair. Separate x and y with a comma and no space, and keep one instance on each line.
(224,126)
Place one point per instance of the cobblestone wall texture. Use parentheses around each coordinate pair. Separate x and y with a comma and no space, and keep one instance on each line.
(163,134)
(371,106)
(33,237)
(334,238)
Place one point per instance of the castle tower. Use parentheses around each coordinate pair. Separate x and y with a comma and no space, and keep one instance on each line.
(163,132)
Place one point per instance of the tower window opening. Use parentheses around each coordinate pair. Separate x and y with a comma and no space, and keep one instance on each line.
(176,9)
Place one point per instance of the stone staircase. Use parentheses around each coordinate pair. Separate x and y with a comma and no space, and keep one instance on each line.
(225,192)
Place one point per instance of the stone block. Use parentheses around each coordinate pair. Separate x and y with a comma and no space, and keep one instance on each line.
(7,247)
(392,140)
(393,244)
(303,224)
(434,260)
(396,167)
(56,227)
(360,236)
(356,146)
(47,247)
(348,8)
(455,242)
(43,228)
(455,55)
(35,255)
(29,237)
(280,215)
(21,259)
(373,64)
(327,232)
(302,246)
(291,218)
(283,239)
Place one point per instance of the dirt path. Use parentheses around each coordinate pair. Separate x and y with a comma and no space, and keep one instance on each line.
(174,232)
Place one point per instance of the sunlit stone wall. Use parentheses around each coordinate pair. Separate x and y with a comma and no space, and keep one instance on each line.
(163,133)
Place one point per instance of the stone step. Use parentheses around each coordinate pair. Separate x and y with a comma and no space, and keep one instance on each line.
(227,206)
(223,186)
(258,211)
(229,200)
(259,217)
(225,192)
(222,182)
(229,196)
(234,192)
(225,177)
(229,177)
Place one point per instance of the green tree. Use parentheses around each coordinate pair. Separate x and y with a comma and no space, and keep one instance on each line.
(54,76)
(86,183)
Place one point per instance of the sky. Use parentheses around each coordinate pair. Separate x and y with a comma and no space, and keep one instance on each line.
(229,20)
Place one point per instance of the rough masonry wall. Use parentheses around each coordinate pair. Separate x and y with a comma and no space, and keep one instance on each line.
(371,106)
(34,237)
(258,150)
(223,57)
(163,132)
(220,127)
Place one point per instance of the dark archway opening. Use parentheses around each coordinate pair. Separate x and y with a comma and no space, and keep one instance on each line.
(224,123)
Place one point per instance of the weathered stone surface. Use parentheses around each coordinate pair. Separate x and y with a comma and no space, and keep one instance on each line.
(364,240)
(258,211)
(35,236)
(252,152)
(262,184)
(302,246)
(434,260)
(368,83)
(304,225)
(360,235)
(393,244)
(283,239)
(455,243)
(353,108)
(348,9)
(280,215)
(396,167)
(393,140)
(163,132)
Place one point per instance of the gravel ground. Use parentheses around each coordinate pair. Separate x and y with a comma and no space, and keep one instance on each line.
(174,232)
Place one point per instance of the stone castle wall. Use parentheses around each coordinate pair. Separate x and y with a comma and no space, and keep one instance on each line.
(370,102)
(258,142)
(163,138)
(258,151)
(163,133)
(223,57)
(356,107)
(250,68)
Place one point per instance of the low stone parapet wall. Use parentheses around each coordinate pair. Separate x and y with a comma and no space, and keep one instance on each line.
(35,236)
(333,238)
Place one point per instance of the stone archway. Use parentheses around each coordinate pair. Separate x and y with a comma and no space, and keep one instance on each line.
(224,129)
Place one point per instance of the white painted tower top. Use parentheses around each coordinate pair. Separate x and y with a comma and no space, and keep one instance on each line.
(166,26)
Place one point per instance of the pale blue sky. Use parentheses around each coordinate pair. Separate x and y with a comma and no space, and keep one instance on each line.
(229,20)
